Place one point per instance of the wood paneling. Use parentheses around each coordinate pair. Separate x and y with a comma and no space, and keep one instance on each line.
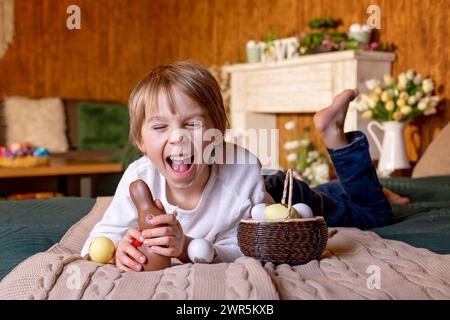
(120,41)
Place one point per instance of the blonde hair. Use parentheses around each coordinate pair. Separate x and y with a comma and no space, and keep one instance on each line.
(193,79)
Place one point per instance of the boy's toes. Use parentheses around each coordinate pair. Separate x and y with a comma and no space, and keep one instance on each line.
(345,97)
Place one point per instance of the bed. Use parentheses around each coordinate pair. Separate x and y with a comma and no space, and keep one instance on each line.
(41,241)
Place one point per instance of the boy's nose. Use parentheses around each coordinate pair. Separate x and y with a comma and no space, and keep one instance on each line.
(179,136)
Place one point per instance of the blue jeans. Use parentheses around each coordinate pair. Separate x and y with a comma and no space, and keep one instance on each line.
(356,199)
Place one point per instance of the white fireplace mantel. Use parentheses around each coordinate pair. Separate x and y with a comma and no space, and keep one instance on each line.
(260,91)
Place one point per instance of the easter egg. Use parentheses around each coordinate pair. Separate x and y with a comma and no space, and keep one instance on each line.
(258,211)
(200,251)
(102,250)
(303,210)
(278,211)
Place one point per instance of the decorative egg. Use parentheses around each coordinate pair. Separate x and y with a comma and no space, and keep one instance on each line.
(278,211)
(14,147)
(200,251)
(303,210)
(102,250)
(258,211)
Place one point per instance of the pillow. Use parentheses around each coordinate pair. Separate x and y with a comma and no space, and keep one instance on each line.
(436,159)
(41,122)
(102,126)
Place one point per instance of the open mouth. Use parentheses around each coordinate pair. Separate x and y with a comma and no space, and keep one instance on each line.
(180,164)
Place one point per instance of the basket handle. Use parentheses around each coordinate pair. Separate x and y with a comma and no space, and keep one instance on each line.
(288,183)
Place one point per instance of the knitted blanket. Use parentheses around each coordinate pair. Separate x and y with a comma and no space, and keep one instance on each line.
(355,265)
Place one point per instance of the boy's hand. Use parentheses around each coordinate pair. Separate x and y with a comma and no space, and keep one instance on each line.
(125,252)
(168,239)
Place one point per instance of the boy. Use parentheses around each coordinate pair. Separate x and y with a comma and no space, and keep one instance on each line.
(171,110)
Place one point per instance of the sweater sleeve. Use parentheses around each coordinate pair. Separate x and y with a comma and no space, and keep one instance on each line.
(119,216)
(226,244)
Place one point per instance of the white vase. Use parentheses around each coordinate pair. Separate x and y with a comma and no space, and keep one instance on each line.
(392,151)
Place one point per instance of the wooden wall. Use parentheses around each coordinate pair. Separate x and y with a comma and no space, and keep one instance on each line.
(120,41)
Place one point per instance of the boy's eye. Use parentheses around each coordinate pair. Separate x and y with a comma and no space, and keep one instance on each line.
(194,124)
(159,126)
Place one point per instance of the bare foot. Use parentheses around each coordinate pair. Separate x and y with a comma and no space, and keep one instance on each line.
(395,197)
(330,120)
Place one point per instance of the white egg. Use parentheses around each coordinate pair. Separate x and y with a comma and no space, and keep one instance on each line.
(200,251)
(303,210)
(258,211)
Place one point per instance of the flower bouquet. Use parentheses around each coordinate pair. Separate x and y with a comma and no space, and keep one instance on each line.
(400,99)
(311,165)
(391,106)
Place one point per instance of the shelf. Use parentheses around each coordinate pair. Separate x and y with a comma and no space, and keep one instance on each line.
(70,163)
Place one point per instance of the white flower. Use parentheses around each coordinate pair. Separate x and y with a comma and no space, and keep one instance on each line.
(375,96)
(372,103)
(291,157)
(412,100)
(429,111)
(410,74)
(304,143)
(365,97)
(308,173)
(291,145)
(406,110)
(427,85)
(388,80)
(402,81)
(401,102)
(434,101)
(417,79)
(372,84)
(321,172)
(423,104)
(397,116)
(377,91)
(289,125)
(367,114)
(312,155)
(404,95)
(390,105)
(386,95)
(362,106)
(419,95)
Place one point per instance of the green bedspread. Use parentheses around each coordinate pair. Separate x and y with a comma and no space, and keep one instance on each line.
(424,223)
(31,226)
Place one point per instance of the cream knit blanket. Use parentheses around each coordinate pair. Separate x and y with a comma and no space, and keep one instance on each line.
(355,265)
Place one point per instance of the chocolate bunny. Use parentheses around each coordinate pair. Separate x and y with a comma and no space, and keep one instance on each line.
(147,209)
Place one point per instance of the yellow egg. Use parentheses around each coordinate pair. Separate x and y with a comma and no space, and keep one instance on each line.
(102,250)
(279,211)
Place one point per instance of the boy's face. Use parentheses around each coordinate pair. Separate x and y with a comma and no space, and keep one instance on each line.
(171,140)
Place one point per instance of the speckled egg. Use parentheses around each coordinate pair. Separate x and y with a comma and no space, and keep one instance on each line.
(200,251)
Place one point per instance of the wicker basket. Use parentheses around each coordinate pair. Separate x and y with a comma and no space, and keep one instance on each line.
(291,241)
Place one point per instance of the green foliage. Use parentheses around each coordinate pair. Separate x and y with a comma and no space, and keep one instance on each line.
(269,39)
(323,23)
